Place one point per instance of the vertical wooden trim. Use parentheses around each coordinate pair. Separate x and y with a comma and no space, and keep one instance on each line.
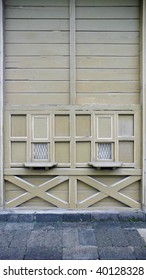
(143,99)
(73,192)
(72,54)
(1,104)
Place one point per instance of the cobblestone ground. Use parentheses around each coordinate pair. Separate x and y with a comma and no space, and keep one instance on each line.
(67,239)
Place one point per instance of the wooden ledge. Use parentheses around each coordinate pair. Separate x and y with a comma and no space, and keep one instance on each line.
(41,164)
(107,164)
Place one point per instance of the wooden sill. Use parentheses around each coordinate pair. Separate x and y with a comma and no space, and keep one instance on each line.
(41,164)
(107,164)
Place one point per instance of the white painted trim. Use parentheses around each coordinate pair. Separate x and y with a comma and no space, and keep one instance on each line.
(1,103)
(72,53)
(143,100)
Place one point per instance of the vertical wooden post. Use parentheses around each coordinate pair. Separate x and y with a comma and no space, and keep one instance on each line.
(143,102)
(1,104)
(72,54)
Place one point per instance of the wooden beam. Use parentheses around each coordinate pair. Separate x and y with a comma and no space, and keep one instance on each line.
(1,105)
(72,54)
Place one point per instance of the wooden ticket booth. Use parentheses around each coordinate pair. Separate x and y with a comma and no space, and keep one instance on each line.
(73,104)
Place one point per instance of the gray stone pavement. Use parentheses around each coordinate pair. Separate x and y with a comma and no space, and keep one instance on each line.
(73,236)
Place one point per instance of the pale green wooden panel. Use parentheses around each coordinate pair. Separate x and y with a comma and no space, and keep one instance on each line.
(37,98)
(107,74)
(107,49)
(36,3)
(32,37)
(36,86)
(39,49)
(107,62)
(107,3)
(62,125)
(126,125)
(106,25)
(18,152)
(108,86)
(37,62)
(34,24)
(40,12)
(108,37)
(18,126)
(39,74)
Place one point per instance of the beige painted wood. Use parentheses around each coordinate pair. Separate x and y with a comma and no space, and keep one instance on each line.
(107,12)
(36,191)
(37,3)
(43,75)
(27,37)
(108,37)
(41,12)
(37,62)
(103,25)
(42,42)
(143,100)
(72,53)
(103,74)
(107,50)
(107,62)
(37,86)
(39,50)
(98,3)
(1,104)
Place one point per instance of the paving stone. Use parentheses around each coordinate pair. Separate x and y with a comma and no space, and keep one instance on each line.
(117,237)
(48,217)
(53,238)
(43,253)
(36,238)
(80,253)
(20,237)
(140,253)
(133,237)
(13,253)
(87,237)
(78,217)
(116,253)
(106,224)
(131,216)
(102,238)
(48,225)
(104,217)
(70,237)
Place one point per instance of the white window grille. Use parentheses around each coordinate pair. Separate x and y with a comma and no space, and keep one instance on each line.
(104,151)
(40,151)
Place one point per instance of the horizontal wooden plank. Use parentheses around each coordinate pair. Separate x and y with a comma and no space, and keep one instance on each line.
(107,37)
(36,24)
(63,74)
(32,37)
(37,74)
(36,3)
(107,25)
(107,86)
(36,86)
(111,99)
(37,98)
(38,12)
(107,62)
(38,49)
(99,3)
(37,62)
(107,12)
(107,49)
(108,74)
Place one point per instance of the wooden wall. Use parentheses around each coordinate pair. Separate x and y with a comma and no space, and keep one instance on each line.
(37,52)
(1,104)
(72,88)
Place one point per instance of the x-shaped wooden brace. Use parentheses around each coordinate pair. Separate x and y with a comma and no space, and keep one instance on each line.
(111,191)
(36,191)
